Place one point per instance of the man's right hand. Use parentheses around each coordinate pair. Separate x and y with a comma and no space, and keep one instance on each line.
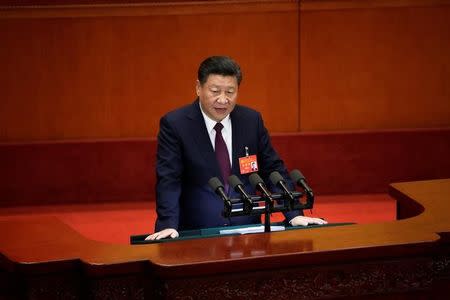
(168,232)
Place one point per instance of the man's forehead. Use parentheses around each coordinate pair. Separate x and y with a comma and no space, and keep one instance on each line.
(221,80)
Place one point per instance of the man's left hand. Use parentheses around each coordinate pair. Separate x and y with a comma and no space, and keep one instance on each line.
(305,221)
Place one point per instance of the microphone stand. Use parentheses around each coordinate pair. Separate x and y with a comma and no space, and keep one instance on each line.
(269,206)
(250,204)
(267,212)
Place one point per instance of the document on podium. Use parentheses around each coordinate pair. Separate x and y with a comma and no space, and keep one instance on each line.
(252,229)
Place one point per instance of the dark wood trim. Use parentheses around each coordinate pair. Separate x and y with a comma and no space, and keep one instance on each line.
(117,9)
(317,5)
(148,9)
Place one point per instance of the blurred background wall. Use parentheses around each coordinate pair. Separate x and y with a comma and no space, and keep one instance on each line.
(111,69)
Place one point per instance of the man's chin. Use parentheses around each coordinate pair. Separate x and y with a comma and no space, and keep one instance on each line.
(219,114)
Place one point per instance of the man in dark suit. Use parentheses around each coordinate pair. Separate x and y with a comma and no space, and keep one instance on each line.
(206,139)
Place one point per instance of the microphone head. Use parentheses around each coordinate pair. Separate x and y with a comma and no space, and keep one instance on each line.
(275,177)
(234,181)
(255,180)
(215,183)
(296,176)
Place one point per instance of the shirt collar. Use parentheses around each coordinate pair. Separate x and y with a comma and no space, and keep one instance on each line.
(210,123)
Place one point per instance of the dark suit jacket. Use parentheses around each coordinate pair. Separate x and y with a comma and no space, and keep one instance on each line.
(186,161)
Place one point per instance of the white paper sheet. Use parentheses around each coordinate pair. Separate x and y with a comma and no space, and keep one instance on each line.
(253,229)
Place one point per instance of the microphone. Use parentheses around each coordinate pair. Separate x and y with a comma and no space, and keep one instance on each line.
(258,184)
(278,180)
(299,179)
(237,185)
(218,188)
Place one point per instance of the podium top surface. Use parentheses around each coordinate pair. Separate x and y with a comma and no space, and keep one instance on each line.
(225,231)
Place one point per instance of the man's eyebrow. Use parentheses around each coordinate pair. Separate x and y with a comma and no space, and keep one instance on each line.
(214,86)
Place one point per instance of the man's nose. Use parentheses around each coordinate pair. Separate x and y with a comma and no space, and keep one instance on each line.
(223,99)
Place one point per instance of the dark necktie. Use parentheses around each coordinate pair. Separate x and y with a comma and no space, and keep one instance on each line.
(222,155)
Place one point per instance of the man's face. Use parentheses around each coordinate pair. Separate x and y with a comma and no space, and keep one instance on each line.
(218,95)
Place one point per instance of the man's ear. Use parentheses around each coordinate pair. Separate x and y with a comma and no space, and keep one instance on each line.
(197,87)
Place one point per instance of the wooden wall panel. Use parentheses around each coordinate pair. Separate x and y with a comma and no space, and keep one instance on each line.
(107,71)
(365,67)
(115,73)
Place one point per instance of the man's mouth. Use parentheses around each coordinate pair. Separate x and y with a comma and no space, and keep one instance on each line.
(220,110)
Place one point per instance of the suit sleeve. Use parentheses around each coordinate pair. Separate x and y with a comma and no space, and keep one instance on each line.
(169,169)
(269,161)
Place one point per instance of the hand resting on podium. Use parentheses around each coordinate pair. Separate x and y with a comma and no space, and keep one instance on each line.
(165,233)
(305,221)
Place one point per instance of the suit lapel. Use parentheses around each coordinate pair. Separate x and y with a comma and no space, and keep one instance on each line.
(201,138)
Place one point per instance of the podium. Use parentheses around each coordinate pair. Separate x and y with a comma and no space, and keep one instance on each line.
(43,258)
(218,232)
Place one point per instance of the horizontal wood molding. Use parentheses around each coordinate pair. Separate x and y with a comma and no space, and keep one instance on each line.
(147,9)
(312,5)
(80,8)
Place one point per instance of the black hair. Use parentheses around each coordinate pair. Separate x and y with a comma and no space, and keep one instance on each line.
(219,65)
